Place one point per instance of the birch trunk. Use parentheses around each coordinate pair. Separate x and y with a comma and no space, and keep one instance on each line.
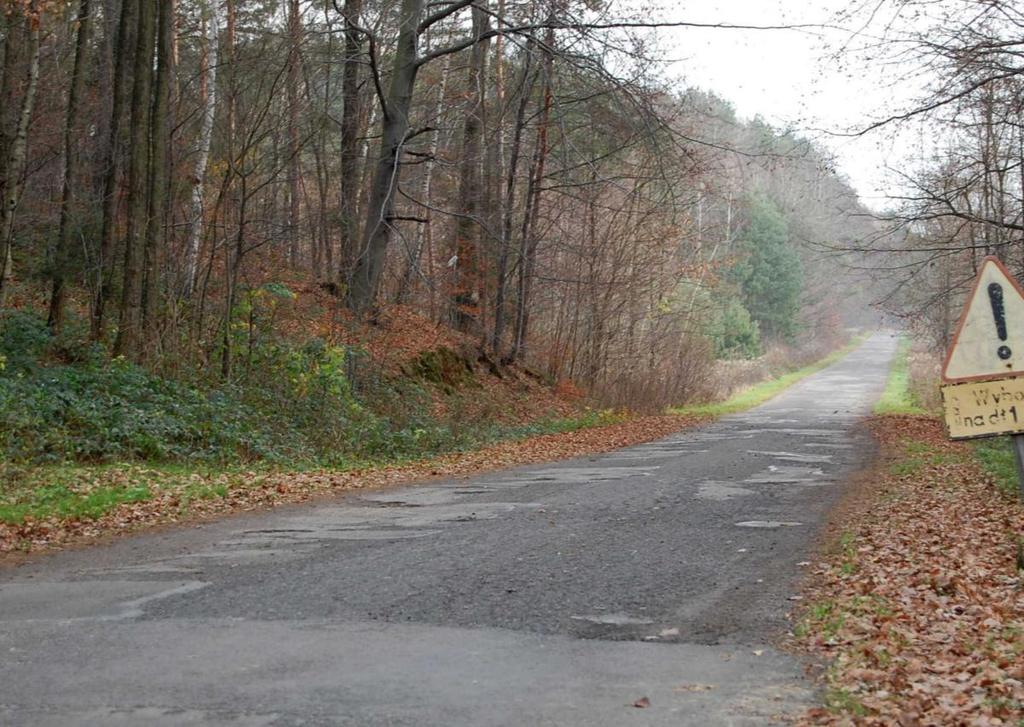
(15,162)
(208,81)
(423,232)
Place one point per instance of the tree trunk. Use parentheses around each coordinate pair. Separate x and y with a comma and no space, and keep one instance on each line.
(466,293)
(72,164)
(123,54)
(234,269)
(508,211)
(351,121)
(423,232)
(208,94)
(15,163)
(494,172)
(159,179)
(369,265)
(15,40)
(294,40)
(528,244)
(130,315)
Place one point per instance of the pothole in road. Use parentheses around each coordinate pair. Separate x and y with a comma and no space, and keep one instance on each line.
(721,491)
(614,619)
(276,531)
(768,524)
(796,456)
(789,475)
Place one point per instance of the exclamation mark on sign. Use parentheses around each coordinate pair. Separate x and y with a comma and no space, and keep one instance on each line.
(995,297)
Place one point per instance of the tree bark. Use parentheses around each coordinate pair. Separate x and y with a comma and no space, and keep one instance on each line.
(528,243)
(159,178)
(424,235)
(14,165)
(294,170)
(130,314)
(72,164)
(123,54)
(508,211)
(208,93)
(351,122)
(15,38)
(466,292)
(366,274)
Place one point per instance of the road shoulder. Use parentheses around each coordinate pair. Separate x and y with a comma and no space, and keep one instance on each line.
(915,608)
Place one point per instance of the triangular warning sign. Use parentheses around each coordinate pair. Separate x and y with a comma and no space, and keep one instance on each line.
(989,340)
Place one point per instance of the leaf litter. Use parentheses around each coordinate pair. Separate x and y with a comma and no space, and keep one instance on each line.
(920,608)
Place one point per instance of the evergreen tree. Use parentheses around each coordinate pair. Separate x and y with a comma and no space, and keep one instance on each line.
(769,272)
(733,331)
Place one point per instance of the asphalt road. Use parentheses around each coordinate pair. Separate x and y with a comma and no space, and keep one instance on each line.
(546,595)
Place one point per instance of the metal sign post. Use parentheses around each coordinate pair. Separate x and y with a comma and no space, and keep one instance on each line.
(1018,453)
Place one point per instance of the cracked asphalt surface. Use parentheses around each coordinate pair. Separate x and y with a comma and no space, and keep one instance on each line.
(546,595)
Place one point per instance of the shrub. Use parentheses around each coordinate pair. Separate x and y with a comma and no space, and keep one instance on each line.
(62,400)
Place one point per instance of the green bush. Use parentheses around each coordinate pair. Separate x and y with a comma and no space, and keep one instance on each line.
(96,412)
(62,400)
(24,341)
(734,333)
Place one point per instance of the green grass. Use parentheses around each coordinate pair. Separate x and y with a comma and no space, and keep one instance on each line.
(764,391)
(918,455)
(81,491)
(897,397)
(842,701)
(64,503)
(589,419)
(996,457)
(71,491)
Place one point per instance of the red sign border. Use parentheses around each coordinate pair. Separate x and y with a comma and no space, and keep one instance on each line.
(963,319)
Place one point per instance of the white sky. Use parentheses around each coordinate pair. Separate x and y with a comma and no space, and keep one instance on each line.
(786,77)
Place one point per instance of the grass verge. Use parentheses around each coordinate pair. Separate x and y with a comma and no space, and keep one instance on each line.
(766,390)
(897,397)
(995,454)
(69,491)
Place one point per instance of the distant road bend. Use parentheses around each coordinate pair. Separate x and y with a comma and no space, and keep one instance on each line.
(558,594)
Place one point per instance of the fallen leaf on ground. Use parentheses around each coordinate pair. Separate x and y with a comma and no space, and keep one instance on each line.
(918,611)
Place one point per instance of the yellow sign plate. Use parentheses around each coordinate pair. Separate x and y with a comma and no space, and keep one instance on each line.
(984,408)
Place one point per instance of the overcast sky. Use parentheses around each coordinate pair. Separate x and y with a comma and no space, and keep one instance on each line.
(786,77)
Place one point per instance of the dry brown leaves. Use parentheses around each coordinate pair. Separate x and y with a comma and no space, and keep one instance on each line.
(921,612)
(260,491)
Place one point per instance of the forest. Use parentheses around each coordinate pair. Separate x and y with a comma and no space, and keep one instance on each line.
(284,230)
